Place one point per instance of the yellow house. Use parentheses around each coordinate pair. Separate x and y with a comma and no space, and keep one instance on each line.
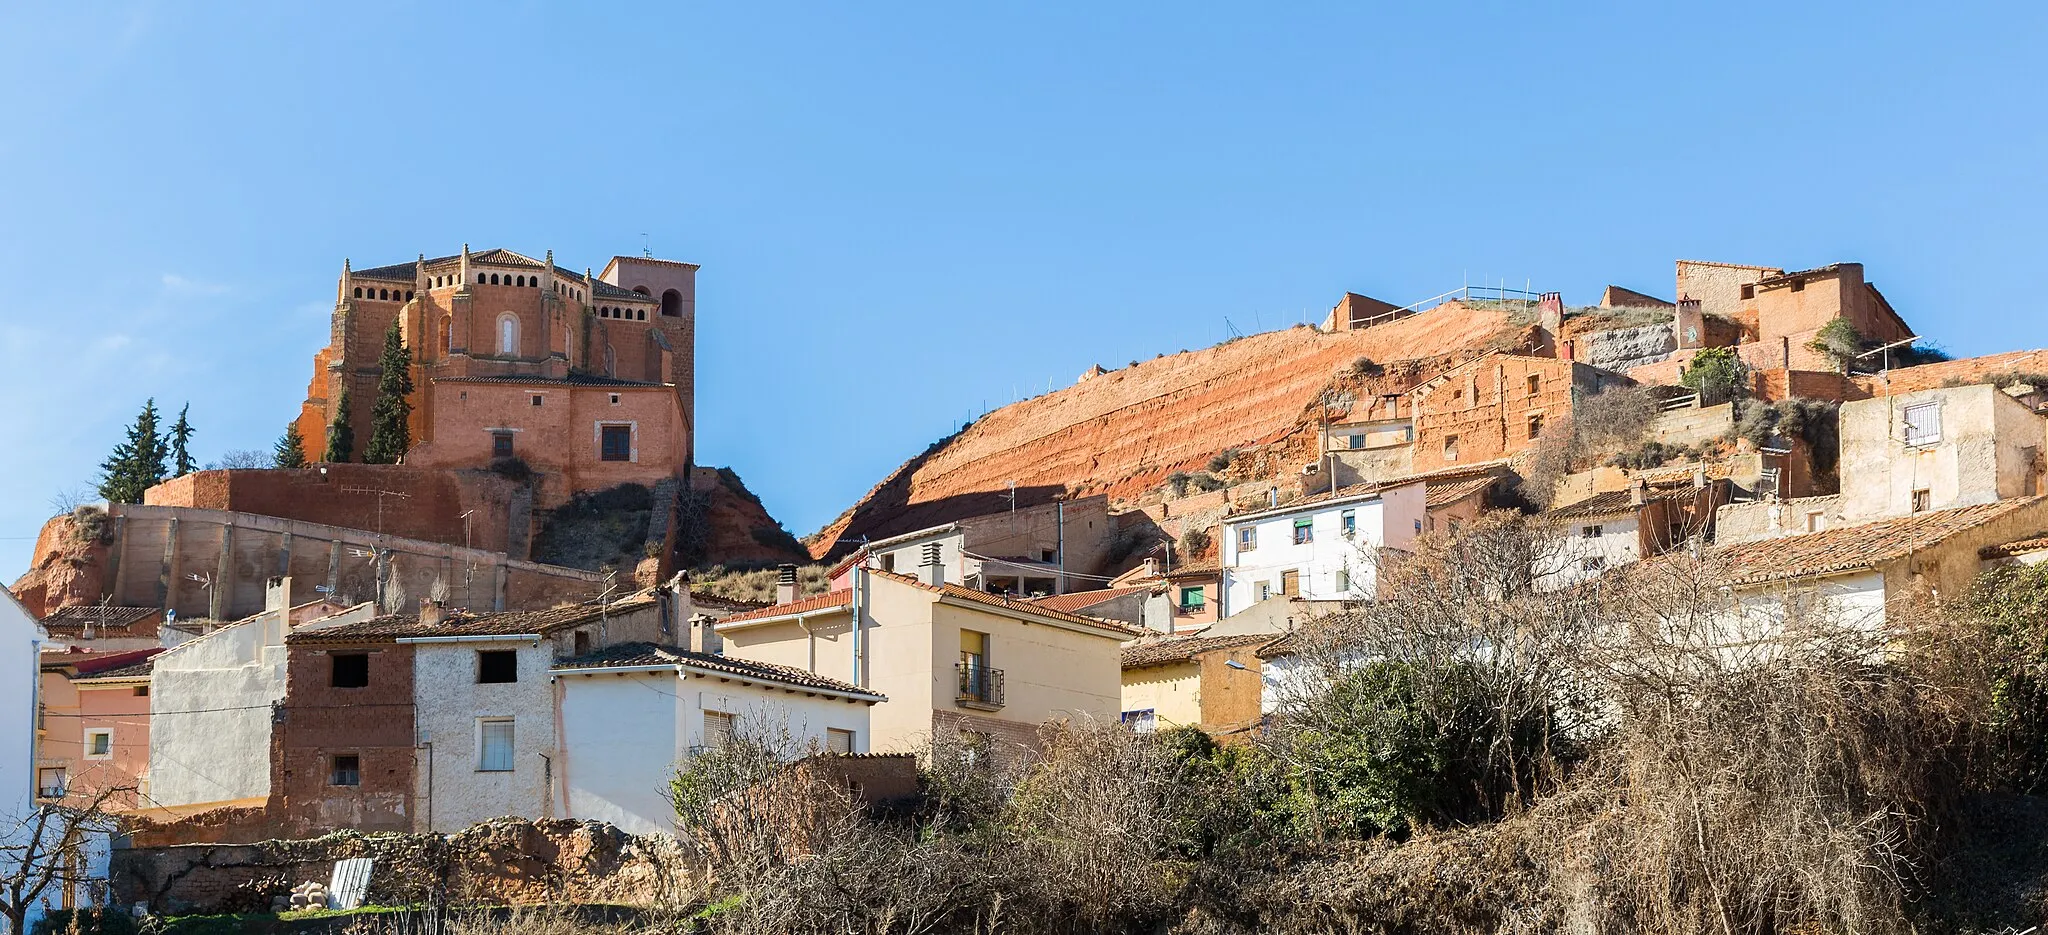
(952,660)
(1208,682)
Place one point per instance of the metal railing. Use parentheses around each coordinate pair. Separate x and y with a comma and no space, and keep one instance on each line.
(980,685)
(1188,610)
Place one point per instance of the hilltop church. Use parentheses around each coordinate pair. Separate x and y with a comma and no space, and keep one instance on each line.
(583,377)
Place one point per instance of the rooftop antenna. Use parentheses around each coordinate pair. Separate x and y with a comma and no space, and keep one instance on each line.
(646,248)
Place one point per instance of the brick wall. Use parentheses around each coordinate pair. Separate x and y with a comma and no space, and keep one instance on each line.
(417,503)
(1487,406)
(319,722)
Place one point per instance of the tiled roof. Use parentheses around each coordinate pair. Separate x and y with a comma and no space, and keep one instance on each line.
(498,256)
(835,600)
(1205,568)
(1852,547)
(1799,274)
(133,670)
(573,379)
(1082,600)
(997,600)
(76,617)
(708,599)
(1483,470)
(510,623)
(650,654)
(1183,649)
(2034,543)
(601,288)
(1449,492)
(91,664)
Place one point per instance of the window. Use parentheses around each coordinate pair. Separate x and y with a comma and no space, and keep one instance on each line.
(1798,285)
(1590,532)
(1749,290)
(1144,721)
(1265,590)
(582,642)
(1418,526)
(1923,423)
(671,303)
(889,562)
(1304,531)
(1194,598)
(615,399)
(494,745)
(536,399)
(1355,440)
(1247,538)
(1450,448)
(1348,522)
(50,782)
(615,443)
(1535,424)
(141,691)
(838,741)
(345,770)
(973,649)
(508,335)
(1592,563)
(1815,521)
(1343,580)
(351,670)
(497,666)
(1535,383)
(501,444)
(717,729)
(99,744)
(1923,500)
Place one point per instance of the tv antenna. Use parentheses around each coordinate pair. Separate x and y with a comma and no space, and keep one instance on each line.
(646,247)
(380,494)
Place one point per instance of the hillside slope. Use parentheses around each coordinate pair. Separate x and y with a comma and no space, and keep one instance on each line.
(1122,433)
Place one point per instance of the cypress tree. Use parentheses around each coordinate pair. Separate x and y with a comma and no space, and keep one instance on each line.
(291,449)
(181,444)
(389,434)
(341,439)
(136,464)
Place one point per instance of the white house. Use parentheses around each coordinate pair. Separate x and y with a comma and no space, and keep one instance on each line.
(20,646)
(1321,548)
(631,713)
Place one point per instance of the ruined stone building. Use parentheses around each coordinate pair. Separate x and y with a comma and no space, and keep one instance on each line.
(586,378)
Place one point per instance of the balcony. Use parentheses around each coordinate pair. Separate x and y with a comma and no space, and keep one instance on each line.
(50,792)
(981,687)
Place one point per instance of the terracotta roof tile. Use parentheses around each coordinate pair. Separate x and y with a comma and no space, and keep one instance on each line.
(836,600)
(651,654)
(1447,493)
(75,618)
(1184,649)
(1852,547)
(1197,569)
(510,623)
(997,600)
(2033,543)
(133,670)
(1082,600)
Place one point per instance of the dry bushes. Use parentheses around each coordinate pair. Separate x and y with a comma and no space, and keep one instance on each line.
(1607,423)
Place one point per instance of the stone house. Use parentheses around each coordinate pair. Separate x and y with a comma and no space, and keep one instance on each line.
(1026,552)
(953,661)
(434,721)
(1496,406)
(93,718)
(1937,449)
(1616,528)
(630,714)
(1213,683)
(211,702)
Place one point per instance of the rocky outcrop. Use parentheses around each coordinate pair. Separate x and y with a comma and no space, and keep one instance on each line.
(1619,349)
(1121,433)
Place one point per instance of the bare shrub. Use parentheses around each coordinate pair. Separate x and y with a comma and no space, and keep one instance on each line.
(1601,425)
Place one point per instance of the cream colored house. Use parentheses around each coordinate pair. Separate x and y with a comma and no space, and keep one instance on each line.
(1210,682)
(1938,449)
(950,659)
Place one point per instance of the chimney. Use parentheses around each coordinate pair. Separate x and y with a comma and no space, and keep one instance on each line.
(933,571)
(1638,492)
(1151,568)
(785,583)
(1272,497)
(1699,477)
(431,612)
(277,598)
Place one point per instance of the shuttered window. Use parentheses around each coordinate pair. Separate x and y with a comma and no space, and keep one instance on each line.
(1923,424)
(494,739)
(838,741)
(717,729)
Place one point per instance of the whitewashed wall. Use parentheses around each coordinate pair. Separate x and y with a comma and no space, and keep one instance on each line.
(451,705)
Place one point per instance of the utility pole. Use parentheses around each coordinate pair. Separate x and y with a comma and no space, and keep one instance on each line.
(1060,544)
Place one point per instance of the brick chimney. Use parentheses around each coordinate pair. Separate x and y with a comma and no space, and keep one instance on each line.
(432,612)
(933,570)
(785,583)
(1550,310)
(1638,492)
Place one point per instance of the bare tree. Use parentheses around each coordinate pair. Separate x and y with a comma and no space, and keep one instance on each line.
(49,850)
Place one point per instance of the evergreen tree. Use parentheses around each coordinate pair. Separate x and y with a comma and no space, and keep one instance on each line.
(181,444)
(341,439)
(389,434)
(136,464)
(291,450)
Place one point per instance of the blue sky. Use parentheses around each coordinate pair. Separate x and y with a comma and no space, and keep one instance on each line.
(907,213)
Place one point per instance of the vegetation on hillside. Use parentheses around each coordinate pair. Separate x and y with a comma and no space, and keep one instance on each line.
(290,450)
(597,529)
(756,583)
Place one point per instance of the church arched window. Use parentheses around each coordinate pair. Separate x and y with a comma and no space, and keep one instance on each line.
(508,335)
(359,292)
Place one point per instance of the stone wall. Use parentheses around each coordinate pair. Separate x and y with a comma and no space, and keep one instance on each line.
(505,862)
(393,499)
(1624,348)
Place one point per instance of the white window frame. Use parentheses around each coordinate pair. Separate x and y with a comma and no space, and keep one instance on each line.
(95,732)
(1906,415)
(483,750)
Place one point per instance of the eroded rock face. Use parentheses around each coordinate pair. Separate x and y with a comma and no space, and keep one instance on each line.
(1123,432)
(1622,348)
(69,568)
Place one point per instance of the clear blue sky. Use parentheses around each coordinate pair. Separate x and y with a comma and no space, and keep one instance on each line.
(906,213)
